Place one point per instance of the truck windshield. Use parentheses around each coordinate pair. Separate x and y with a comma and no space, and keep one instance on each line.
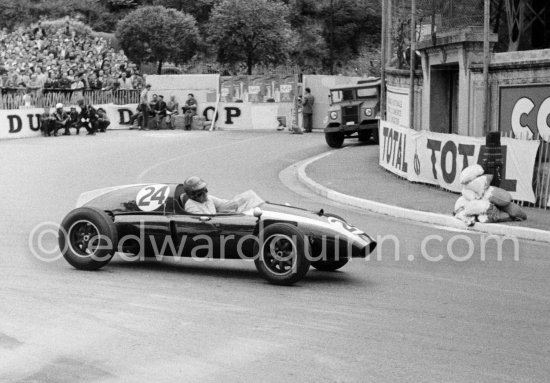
(367,92)
(342,95)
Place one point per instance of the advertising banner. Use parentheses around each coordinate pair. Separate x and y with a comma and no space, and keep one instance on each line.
(438,159)
(525,110)
(243,116)
(20,123)
(25,123)
(397,105)
(258,88)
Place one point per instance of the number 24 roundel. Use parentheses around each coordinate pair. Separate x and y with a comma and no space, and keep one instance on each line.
(151,197)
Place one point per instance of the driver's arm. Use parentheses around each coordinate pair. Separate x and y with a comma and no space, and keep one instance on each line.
(224,205)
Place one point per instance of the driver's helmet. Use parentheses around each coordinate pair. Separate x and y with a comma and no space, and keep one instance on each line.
(193,184)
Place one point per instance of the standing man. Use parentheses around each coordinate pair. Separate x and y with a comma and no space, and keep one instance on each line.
(144,106)
(307,110)
(160,113)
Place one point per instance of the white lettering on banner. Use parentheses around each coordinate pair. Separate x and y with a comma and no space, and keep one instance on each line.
(440,158)
(393,150)
(523,107)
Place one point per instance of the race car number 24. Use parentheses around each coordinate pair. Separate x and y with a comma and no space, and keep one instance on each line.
(151,197)
(345,226)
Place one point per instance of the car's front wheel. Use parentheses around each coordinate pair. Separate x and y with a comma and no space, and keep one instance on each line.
(88,238)
(281,254)
(329,265)
(334,139)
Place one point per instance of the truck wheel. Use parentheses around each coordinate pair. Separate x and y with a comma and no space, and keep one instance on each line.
(334,139)
(88,238)
(281,257)
(329,265)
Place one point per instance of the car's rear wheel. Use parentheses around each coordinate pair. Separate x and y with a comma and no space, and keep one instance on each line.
(334,139)
(281,255)
(88,238)
(329,265)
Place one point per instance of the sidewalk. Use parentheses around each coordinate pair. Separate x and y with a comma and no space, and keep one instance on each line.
(353,174)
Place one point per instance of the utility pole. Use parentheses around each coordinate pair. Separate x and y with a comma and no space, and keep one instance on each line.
(412,62)
(383,64)
(486,59)
(331,56)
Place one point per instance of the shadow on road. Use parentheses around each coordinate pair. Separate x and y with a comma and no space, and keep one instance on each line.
(229,269)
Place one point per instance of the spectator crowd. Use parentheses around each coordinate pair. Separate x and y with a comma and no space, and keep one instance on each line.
(43,57)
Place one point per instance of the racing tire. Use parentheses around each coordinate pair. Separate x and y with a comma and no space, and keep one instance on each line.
(329,265)
(281,256)
(334,139)
(87,238)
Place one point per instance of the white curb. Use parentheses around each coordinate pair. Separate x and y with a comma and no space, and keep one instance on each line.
(414,215)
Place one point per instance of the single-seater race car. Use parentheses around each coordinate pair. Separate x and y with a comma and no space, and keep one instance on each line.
(149,220)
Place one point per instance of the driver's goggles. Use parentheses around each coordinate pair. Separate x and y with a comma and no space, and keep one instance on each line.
(199,193)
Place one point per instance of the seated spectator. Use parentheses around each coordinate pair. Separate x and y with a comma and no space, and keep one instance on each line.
(102,120)
(190,110)
(74,120)
(47,122)
(137,81)
(96,83)
(172,108)
(61,120)
(125,82)
(88,117)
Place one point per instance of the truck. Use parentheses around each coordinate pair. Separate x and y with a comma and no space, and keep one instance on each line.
(354,112)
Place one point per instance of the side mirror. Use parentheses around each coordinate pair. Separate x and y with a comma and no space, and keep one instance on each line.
(257,212)
(330,99)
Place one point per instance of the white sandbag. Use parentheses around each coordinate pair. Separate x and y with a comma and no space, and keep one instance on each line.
(469,221)
(515,212)
(477,207)
(469,195)
(480,184)
(493,215)
(471,173)
(460,204)
(498,196)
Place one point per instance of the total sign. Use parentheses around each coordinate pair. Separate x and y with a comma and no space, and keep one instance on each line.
(525,110)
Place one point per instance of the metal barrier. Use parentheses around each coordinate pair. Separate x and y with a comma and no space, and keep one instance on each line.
(12,98)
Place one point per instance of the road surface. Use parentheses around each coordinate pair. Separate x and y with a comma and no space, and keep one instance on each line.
(425,307)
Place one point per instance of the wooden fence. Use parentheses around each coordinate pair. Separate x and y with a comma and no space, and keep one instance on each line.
(14,99)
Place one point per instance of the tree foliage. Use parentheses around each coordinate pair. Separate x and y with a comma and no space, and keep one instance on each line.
(251,31)
(318,35)
(158,34)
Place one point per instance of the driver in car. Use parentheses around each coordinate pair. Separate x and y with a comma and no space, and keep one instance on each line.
(200,202)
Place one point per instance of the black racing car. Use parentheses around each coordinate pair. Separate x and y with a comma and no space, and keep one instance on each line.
(148,220)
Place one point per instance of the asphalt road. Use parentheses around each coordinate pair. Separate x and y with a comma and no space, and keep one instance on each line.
(411,319)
